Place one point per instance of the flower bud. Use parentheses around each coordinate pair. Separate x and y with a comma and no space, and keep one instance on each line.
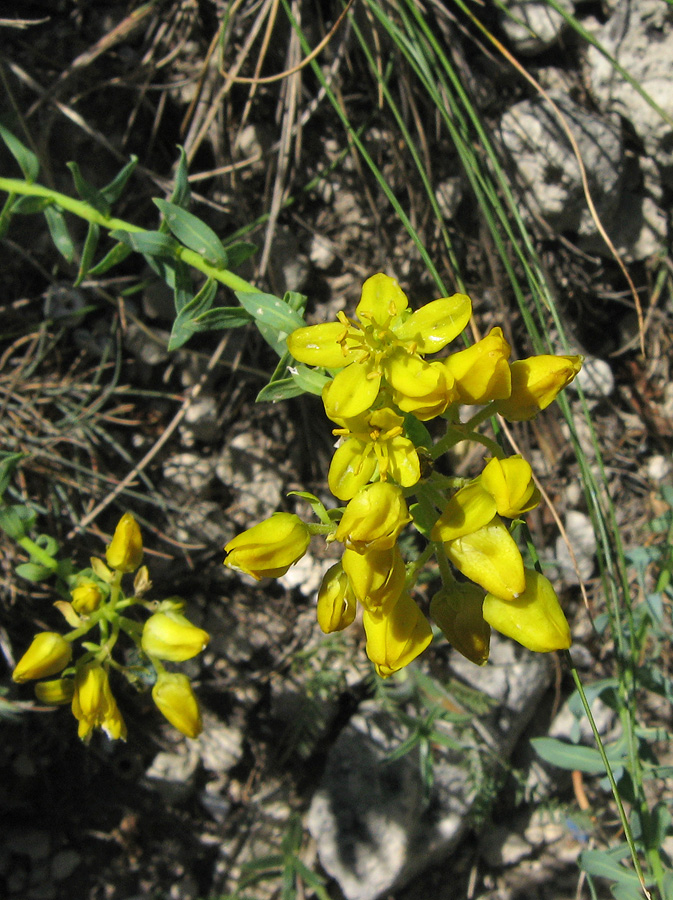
(536,382)
(458,612)
(376,577)
(374,518)
(48,654)
(125,552)
(336,603)
(396,639)
(171,636)
(467,511)
(175,699)
(55,692)
(267,550)
(510,483)
(491,558)
(481,372)
(93,704)
(86,598)
(419,387)
(534,619)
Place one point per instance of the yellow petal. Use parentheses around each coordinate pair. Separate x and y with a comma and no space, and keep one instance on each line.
(352,391)
(534,619)
(382,299)
(436,324)
(467,511)
(268,549)
(48,654)
(352,467)
(394,640)
(318,345)
(491,558)
(482,372)
(510,483)
(336,603)
(172,636)
(125,552)
(376,577)
(536,382)
(175,699)
(374,518)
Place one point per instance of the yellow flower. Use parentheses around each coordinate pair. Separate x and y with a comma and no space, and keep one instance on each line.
(93,704)
(48,654)
(534,619)
(491,558)
(536,382)
(86,597)
(376,577)
(55,692)
(175,699)
(336,603)
(169,635)
(374,518)
(375,444)
(386,345)
(267,550)
(467,511)
(481,372)
(458,612)
(396,639)
(510,483)
(125,552)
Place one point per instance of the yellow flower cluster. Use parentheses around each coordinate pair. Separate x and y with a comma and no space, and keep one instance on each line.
(382,388)
(97,601)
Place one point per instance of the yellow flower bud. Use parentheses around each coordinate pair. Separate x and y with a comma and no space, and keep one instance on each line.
(48,654)
(336,603)
(374,518)
(510,483)
(175,699)
(481,372)
(55,692)
(458,612)
(534,619)
(171,636)
(491,558)
(376,577)
(467,511)
(267,550)
(396,639)
(86,598)
(93,704)
(536,382)
(125,552)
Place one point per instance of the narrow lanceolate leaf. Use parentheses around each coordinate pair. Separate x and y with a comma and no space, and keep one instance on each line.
(604,865)
(283,389)
(222,317)
(26,206)
(28,162)
(238,253)
(576,756)
(181,195)
(87,191)
(88,252)
(310,381)
(151,243)
(193,233)
(112,258)
(60,235)
(274,318)
(112,191)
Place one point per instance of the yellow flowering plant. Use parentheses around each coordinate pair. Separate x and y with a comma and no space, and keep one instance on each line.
(98,613)
(382,374)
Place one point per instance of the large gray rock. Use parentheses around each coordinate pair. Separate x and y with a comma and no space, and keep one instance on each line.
(546,172)
(372,818)
(639,35)
(533,25)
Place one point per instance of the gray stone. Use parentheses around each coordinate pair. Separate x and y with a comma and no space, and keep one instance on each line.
(201,420)
(374,824)
(190,473)
(595,378)
(639,36)
(581,536)
(246,466)
(546,172)
(533,25)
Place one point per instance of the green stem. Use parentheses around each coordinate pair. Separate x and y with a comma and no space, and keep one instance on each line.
(37,553)
(89,214)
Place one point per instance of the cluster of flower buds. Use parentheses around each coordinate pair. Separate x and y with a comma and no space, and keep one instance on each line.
(381,391)
(97,602)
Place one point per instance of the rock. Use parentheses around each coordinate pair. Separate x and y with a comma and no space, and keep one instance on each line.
(546,169)
(532,26)
(582,538)
(374,823)
(595,378)
(567,726)
(659,468)
(173,773)
(246,467)
(639,35)
(448,195)
(220,746)
(189,473)
(305,575)
(322,252)
(201,421)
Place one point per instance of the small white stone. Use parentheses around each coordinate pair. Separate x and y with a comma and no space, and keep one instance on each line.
(595,378)
(659,467)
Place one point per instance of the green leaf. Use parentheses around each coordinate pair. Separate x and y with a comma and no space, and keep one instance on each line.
(27,206)
(275,319)
(16,521)
(88,252)
(238,253)
(28,162)
(8,463)
(222,317)
(149,243)
(311,381)
(416,431)
(603,864)
(181,195)
(295,301)
(87,191)
(60,235)
(112,191)
(33,571)
(193,233)
(576,756)
(283,389)
(112,258)
(184,325)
